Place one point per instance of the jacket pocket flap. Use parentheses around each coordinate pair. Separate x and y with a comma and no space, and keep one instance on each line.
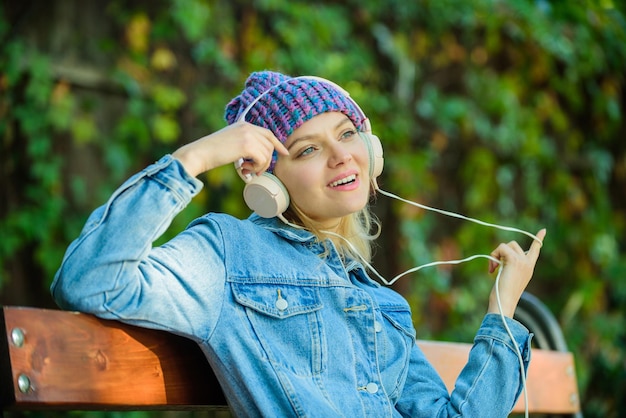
(277,300)
(399,317)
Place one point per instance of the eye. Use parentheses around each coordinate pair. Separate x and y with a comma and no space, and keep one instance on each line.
(348,134)
(306,151)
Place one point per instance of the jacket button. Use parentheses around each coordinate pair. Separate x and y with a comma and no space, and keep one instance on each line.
(281,304)
(371,387)
(378,327)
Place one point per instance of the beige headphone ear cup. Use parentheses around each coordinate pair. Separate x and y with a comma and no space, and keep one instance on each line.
(266,195)
(375,153)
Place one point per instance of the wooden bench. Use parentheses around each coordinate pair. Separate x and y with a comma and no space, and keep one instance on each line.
(56,360)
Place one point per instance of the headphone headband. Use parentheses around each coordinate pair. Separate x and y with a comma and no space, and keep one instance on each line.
(365,121)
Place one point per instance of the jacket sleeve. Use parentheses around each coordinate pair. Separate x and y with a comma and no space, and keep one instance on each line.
(487,387)
(112,270)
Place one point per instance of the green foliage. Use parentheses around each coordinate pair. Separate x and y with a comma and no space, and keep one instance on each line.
(512,112)
(25,103)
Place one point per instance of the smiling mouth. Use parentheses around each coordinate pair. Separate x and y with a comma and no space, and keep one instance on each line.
(346,180)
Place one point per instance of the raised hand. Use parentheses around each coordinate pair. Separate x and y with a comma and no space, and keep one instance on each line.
(240,140)
(517,270)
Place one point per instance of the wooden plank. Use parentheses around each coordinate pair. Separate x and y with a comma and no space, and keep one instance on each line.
(551,381)
(77,361)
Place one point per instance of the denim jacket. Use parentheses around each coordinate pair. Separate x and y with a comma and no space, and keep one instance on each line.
(287,332)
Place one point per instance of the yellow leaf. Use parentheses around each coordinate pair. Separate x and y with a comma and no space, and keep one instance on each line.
(163,59)
(137,33)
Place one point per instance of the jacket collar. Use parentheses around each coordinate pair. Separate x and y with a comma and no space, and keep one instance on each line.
(301,235)
(280,228)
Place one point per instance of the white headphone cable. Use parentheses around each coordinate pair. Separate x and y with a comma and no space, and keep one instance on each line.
(456,215)
(497,281)
(435,263)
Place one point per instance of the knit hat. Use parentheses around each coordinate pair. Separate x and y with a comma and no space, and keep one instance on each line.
(289,103)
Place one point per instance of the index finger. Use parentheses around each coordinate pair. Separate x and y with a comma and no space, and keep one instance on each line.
(278,146)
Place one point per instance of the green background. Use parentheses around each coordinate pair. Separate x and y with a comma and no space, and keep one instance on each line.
(507,111)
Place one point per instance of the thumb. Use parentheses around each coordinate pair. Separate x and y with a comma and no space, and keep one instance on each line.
(535,247)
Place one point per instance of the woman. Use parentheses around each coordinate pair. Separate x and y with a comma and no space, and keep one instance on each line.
(282,306)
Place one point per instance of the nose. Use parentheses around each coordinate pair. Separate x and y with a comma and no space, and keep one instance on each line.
(339,155)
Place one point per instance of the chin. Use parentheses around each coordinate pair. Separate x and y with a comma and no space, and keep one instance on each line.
(354,209)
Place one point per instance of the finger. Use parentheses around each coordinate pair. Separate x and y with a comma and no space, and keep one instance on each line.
(493,266)
(257,162)
(277,145)
(261,165)
(247,167)
(535,247)
(281,149)
(516,247)
(502,252)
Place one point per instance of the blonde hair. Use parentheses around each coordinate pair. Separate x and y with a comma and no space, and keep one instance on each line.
(355,228)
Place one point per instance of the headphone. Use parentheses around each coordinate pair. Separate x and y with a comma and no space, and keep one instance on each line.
(266,195)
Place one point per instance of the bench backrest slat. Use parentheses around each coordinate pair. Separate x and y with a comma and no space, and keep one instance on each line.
(61,360)
(551,379)
(77,361)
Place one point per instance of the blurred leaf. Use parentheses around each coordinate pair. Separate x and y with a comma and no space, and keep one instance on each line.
(166,129)
(163,59)
(83,129)
(168,98)
(138,33)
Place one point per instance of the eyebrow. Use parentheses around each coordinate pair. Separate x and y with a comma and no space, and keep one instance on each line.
(306,137)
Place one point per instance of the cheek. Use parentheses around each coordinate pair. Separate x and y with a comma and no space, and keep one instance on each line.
(363,159)
(297,181)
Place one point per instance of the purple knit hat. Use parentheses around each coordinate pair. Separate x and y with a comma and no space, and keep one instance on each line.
(289,103)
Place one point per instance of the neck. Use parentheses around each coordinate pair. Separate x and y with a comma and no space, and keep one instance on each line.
(333,225)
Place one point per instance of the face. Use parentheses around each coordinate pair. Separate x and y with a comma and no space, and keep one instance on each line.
(327,170)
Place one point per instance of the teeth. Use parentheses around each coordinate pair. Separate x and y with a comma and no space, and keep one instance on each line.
(344,180)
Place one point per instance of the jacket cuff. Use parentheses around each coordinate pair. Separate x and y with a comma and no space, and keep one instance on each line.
(493,328)
(171,173)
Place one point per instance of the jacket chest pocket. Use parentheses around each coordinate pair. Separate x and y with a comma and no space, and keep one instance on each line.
(286,323)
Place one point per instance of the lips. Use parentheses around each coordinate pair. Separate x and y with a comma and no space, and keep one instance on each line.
(343,181)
